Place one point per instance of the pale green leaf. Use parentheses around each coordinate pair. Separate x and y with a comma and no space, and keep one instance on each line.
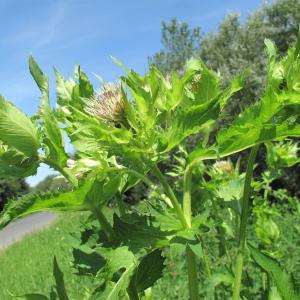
(17,130)
(53,141)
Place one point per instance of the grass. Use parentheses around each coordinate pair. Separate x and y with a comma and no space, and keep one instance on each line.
(26,266)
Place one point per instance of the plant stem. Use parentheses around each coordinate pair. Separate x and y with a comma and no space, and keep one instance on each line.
(105,225)
(192,273)
(243,224)
(171,195)
(70,177)
(187,203)
(191,257)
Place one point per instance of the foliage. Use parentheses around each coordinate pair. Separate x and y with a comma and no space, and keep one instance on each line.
(121,135)
(11,188)
(52,183)
(237,46)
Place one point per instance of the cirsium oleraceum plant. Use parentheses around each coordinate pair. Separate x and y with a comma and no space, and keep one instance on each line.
(122,134)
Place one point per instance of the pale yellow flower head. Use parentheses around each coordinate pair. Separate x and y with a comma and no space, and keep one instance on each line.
(107,104)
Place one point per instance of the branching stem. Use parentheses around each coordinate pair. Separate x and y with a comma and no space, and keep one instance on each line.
(171,195)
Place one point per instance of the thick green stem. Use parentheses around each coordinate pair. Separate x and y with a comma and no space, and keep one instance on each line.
(191,257)
(243,224)
(192,273)
(187,203)
(171,195)
(70,177)
(105,225)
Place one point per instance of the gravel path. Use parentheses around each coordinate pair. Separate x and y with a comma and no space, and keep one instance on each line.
(17,230)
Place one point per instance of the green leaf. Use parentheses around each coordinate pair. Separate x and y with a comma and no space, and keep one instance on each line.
(64,91)
(59,281)
(148,271)
(31,203)
(282,154)
(119,261)
(137,232)
(190,121)
(15,163)
(281,278)
(17,130)
(53,140)
(85,86)
(215,280)
(208,86)
(103,190)
(87,261)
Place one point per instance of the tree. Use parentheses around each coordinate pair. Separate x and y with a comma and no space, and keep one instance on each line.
(11,188)
(180,43)
(53,183)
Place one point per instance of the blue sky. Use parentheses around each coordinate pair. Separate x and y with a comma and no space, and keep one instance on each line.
(87,32)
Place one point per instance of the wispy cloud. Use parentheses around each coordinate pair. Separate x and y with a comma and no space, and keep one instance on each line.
(42,32)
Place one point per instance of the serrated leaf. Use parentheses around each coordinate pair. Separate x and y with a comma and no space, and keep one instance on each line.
(15,163)
(148,271)
(87,261)
(102,190)
(17,130)
(31,203)
(52,135)
(137,232)
(117,260)
(190,121)
(282,279)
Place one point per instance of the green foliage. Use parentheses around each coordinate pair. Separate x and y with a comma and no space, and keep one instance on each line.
(53,143)
(53,183)
(180,43)
(282,280)
(17,130)
(122,134)
(35,202)
(11,187)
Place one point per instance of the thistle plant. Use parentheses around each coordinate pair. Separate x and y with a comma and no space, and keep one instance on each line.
(122,136)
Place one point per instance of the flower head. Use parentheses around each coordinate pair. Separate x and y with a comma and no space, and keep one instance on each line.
(223,166)
(107,104)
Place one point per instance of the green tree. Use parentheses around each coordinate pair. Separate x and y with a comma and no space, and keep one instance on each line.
(11,188)
(53,183)
(180,43)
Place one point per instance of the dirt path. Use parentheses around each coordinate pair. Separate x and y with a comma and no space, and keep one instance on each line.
(18,229)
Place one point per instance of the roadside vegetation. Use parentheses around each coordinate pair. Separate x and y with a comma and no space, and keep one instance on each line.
(215,215)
